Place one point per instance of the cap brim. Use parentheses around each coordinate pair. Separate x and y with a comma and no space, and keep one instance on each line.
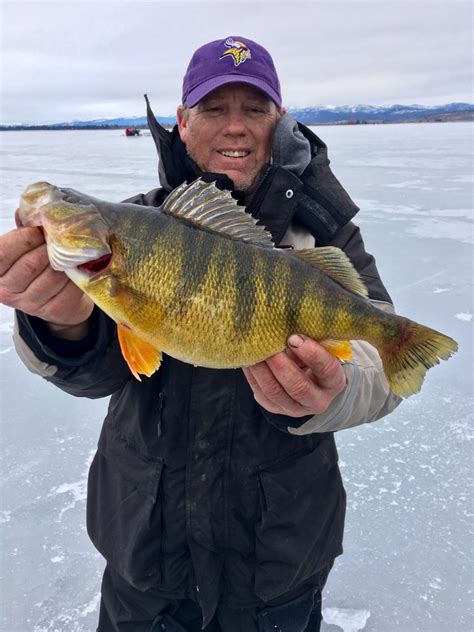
(199,92)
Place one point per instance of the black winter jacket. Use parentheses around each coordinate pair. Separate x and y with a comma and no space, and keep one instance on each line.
(195,490)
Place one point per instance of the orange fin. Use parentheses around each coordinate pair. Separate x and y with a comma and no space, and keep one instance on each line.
(140,355)
(342,349)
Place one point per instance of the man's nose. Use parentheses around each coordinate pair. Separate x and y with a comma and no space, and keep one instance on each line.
(235,123)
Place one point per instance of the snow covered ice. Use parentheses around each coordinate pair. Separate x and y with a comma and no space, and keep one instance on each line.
(348,620)
(407,563)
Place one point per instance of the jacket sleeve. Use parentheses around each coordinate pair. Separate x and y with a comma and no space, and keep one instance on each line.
(367,396)
(92,367)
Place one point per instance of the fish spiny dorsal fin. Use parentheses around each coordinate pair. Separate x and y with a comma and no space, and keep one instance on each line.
(335,263)
(206,206)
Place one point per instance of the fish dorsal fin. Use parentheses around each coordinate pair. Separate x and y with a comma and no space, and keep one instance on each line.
(335,263)
(206,206)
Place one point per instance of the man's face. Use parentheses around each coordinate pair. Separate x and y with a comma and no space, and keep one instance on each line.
(230,131)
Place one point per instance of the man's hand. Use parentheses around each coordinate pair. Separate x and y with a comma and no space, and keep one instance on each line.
(28,283)
(302,380)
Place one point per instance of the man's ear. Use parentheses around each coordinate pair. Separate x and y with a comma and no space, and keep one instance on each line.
(283,110)
(182,122)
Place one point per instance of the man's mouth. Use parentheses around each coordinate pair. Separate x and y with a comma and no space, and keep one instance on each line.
(234,153)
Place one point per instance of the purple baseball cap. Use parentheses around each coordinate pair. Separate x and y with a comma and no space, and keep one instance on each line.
(230,60)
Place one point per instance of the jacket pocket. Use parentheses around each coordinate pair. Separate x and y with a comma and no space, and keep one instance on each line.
(302,503)
(124,512)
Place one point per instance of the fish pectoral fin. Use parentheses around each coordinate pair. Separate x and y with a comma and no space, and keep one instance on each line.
(341,349)
(140,355)
(336,264)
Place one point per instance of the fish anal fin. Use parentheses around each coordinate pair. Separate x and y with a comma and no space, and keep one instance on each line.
(341,349)
(335,263)
(140,355)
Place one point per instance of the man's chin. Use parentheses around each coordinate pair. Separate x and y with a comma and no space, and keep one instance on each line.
(241,182)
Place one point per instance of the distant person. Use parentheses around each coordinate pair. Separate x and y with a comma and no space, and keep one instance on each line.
(215,495)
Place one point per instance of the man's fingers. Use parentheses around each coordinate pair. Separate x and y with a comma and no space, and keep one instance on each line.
(302,380)
(293,380)
(69,306)
(268,390)
(16,244)
(295,358)
(41,290)
(25,270)
(325,367)
(268,385)
(260,398)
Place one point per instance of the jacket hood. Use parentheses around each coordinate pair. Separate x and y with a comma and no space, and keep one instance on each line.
(291,149)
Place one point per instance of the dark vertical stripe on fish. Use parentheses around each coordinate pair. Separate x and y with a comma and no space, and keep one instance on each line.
(267,273)
(244,268)
(295,291)
(196,253)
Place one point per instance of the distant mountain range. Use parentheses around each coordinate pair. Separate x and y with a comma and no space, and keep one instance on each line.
(382,114)
(328,115)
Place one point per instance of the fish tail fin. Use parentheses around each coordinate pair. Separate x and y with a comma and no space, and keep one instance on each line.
(412,351)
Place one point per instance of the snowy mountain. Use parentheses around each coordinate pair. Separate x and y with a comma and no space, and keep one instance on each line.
(381,114)
(133,121)
(321,115)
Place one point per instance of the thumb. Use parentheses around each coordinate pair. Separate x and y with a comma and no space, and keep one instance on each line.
(325,367)
(18,221)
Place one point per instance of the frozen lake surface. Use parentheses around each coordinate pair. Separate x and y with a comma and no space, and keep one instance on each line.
(407,564)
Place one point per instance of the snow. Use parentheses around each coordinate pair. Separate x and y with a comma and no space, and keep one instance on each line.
(407,562)
(465,316)
(348,620)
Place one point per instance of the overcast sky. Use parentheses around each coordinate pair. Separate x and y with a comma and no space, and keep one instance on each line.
(68,60)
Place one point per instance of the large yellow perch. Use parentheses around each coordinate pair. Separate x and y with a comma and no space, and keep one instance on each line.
(200,281)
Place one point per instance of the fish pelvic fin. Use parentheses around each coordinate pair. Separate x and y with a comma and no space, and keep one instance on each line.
(413,350)
(341,349)
(139,354)
(335,263)
(207,207)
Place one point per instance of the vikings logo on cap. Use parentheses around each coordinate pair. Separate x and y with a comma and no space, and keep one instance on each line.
(239,51)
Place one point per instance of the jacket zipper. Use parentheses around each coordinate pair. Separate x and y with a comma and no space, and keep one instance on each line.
(159,430)
(161,400)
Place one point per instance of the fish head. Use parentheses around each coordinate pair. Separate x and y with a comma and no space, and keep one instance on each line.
(77,235)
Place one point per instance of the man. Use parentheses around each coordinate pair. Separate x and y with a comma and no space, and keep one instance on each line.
(215,495)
